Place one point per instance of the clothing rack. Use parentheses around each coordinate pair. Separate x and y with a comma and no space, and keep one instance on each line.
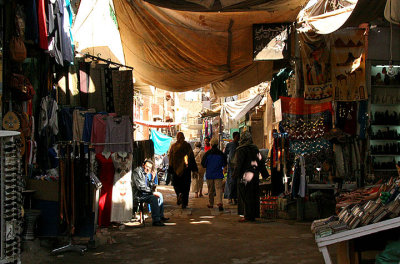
(67,181)
(113,143)
(108,61)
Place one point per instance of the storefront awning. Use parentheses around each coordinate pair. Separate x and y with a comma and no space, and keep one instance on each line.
(327,16)
(156,124)
(232,112)
(184,50)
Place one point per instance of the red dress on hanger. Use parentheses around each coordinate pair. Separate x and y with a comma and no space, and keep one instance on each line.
(106,176)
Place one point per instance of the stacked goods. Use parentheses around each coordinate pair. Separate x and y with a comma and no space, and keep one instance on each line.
(386,205)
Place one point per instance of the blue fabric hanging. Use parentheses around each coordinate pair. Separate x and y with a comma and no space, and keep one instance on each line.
(161,142)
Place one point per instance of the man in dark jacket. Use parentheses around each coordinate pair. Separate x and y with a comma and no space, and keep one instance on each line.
(214,161)
(231,186)
(143,189)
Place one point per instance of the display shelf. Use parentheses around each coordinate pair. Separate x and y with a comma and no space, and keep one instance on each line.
(393,86)
(378,104)
(393,140)
(323,242)
(385,155)
(385,125)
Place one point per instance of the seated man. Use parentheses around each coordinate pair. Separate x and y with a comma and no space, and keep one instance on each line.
(143,189)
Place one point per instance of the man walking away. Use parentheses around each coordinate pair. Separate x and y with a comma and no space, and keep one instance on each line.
(214,161)
(181,164)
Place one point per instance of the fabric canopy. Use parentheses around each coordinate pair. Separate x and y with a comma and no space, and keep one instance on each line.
(217,5)
(161,142)
(95,20)
(392,11)
(180,50)
(327,16)
(155,124)
(232,112)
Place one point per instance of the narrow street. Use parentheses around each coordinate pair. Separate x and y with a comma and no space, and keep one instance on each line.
(198,235)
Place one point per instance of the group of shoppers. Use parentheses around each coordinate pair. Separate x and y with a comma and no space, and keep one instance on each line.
(241,160)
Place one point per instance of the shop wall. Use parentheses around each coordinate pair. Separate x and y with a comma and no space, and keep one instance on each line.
(191,104)
(379,43)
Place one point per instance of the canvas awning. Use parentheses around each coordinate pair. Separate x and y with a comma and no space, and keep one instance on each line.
(156,124)
(96,19)
(232,112)
(184,50)
(327,16)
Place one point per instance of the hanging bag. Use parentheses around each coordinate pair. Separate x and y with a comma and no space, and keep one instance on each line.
(21,87)
(17,49)
(17,46)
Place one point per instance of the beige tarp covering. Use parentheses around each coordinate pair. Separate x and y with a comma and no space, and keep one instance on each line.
(95,30)
(181,51)
(232,112)
(218,5)
(327,16)
(392,11)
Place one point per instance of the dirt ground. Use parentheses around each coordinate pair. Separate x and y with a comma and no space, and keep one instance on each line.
(194,235)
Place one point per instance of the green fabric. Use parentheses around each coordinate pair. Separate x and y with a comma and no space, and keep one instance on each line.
(391,254)
(278,84)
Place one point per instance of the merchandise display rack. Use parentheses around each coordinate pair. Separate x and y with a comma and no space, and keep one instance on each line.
(384,140)
(11,198)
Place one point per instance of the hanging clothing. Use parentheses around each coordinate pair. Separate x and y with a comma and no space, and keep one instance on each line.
(109,90)
(346,117)
(119,132)
(98,131)
(106,176)
(78,119)
(122,202)
(65,123)
(96,89)
(123,92)
(31,22)
(48,114)
(84,69)
(278,84)
(43,42)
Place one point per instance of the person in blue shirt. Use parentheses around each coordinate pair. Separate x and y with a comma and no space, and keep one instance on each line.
(214,161)
(144,190)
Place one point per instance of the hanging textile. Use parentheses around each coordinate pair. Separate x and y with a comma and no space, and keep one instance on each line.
(315,56)
(122,201)
(109,90)
(161,142)
(97,89)
(98,134)
(346,117)
(297,106)
(119,133)
(348,65)
(278,84)
(106,176)
(123,93)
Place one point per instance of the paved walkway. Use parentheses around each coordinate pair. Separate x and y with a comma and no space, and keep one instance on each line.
(196,235)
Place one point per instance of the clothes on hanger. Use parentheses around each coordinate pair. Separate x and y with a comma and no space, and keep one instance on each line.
(119,132)
(122,202)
